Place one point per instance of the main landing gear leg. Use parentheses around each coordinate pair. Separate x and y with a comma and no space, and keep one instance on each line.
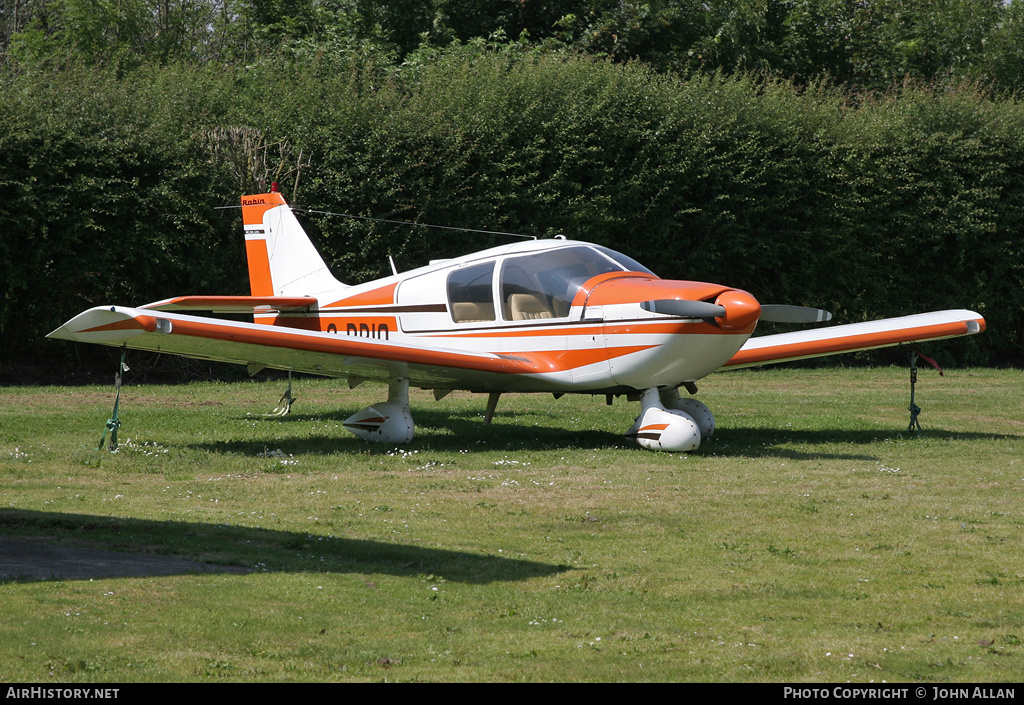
(387,422)
(492,404)
(658,428)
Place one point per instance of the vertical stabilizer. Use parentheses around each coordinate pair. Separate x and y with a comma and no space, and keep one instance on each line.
(282,260)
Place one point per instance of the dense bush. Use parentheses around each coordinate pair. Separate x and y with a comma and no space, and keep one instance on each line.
(877,206)
(105,199)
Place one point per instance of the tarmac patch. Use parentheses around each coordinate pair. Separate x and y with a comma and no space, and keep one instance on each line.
(28,559)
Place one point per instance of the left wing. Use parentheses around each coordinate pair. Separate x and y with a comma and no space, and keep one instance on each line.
(819,342)
(279,347)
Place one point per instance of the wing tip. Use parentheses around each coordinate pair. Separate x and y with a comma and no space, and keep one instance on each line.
(854,337)
(109,325)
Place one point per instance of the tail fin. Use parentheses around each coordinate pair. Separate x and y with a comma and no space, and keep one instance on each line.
(282,260)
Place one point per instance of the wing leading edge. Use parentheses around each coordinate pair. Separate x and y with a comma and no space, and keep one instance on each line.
(819,342)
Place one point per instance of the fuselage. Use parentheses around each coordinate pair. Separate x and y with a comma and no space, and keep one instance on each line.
(572,306)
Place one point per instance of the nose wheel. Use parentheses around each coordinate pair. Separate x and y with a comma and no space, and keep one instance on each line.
(670,422)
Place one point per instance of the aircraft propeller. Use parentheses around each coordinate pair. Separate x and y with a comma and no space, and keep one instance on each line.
(780,313)
(684,308)
(774,313)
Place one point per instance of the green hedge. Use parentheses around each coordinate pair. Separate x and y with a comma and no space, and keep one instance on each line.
(105,200)
(875,207)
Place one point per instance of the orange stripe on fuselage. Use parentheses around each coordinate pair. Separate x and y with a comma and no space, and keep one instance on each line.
(376,297)
(372,327)
(563,360)
(645,327)
(382,327)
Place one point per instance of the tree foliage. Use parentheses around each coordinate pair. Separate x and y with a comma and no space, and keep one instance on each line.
(863,45)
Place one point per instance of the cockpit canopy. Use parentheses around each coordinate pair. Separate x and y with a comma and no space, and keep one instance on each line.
(531,286)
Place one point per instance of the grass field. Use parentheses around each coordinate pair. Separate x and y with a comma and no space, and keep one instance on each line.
(812,539)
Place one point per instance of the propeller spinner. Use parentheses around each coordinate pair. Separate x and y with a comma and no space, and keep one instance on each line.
(733,310)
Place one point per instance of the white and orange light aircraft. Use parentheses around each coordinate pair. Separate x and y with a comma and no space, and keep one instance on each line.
(554,316)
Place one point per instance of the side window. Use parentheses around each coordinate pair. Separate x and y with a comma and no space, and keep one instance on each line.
(471,293)
(521,295)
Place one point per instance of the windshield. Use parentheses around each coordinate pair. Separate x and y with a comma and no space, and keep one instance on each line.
(629,263)
(543,285)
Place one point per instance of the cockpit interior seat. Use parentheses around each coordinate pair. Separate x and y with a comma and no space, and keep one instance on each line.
(527,307)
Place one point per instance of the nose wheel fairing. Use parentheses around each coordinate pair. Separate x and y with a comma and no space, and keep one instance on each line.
(670,422)
(696,410)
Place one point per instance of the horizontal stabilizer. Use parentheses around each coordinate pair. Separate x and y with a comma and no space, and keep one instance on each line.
(236,304)
(831,340)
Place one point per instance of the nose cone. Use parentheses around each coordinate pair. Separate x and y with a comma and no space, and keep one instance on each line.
(741,311)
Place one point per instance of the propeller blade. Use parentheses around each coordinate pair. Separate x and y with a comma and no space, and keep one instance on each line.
(778,313)
(685,309)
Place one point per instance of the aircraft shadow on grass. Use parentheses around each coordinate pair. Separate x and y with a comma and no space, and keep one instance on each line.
(830,444)
(37,546)
(437,430)
(445,431)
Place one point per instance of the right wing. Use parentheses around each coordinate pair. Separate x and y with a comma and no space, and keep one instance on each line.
(831,340)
